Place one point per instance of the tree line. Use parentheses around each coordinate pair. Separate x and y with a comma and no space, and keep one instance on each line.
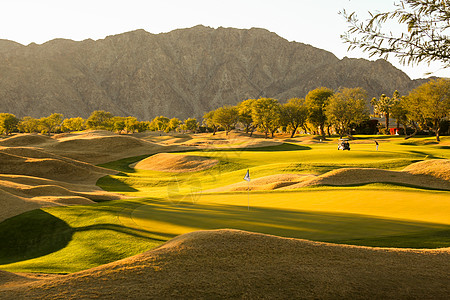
(99,119)
(323,112)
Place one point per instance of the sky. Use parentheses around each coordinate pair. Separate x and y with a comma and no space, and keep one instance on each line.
(313,22)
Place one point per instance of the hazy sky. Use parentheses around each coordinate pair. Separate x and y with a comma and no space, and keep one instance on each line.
(314,22)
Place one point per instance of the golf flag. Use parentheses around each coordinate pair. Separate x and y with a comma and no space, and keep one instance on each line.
(247,176)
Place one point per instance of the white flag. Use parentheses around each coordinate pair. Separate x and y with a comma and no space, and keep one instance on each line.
(247,176)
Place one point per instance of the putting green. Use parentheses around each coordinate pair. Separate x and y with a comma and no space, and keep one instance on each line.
(327,215)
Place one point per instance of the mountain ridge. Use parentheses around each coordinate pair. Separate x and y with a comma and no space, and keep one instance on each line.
(182,73)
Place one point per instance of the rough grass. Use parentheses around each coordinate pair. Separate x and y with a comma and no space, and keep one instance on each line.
(230,264)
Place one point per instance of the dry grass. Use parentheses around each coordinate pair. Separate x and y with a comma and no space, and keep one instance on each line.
(100,147)
(27,140)
(32,178)
(428,174)
(434,174)
(167,162)
(438,168)
(38,163)
(236,264)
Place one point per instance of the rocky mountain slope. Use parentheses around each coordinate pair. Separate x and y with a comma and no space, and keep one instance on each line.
(182,73)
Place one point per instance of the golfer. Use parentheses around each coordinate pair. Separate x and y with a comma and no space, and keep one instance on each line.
(376,144)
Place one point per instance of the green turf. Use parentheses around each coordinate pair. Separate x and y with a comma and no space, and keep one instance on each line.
(69,239)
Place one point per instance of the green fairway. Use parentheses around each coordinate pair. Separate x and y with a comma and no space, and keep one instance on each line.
(69,239)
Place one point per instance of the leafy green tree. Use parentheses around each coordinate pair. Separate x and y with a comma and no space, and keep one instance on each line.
(425,37)
(160,123)
(245,109)
(294,114)
(317,101)
(266,115)
(430,102)
(226,117)
(347,108)
(118,124)
(174,123)
(131,124)
(8,123)
(399,111)
(191,124)
(73,124)
(208,120)
(383,106)
(100,119)
(51,123)
(28,124)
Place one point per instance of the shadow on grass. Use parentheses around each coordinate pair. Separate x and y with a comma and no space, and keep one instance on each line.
(139,233)
(123,165)
(32,234)
(282,147)
(111,184)
(318,226)
(37,233)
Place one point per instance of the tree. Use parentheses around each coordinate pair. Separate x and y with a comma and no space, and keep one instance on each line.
(399,111)
(294,114)
(245,109)
(226,117)
(73,124)
(424,38)
(131,124)
(191,124)
(316,101)
(430,103)
(208,119)
(347,108)
(29,125)
(51,123)
(266,115)
(8,123)
(173,124)
(118,124)
(160,123)
(100,119)
(383,106)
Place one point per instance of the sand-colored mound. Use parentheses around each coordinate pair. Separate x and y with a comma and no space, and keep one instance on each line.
(356,176)
(225,264)
(26,140)
(439,168)
(101,147)
(266,183)
(45,165)
(31,178)
(167,162)
(20,193)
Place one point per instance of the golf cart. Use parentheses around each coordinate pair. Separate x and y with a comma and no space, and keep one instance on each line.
(343,144)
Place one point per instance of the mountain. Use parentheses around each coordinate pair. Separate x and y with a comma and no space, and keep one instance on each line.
(182,73)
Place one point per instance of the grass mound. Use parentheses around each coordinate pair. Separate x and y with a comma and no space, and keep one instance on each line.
(20,140)
(361,176)
(32,178)
(237,264)
(167,162)
(94,147)
(45,165)
(438,168)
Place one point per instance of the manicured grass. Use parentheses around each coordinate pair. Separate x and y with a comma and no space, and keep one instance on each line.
(69,239)
(73,238)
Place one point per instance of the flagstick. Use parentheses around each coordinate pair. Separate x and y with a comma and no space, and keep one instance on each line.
(248,196)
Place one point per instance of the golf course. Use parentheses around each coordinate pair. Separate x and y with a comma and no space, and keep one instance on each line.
(393,200)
